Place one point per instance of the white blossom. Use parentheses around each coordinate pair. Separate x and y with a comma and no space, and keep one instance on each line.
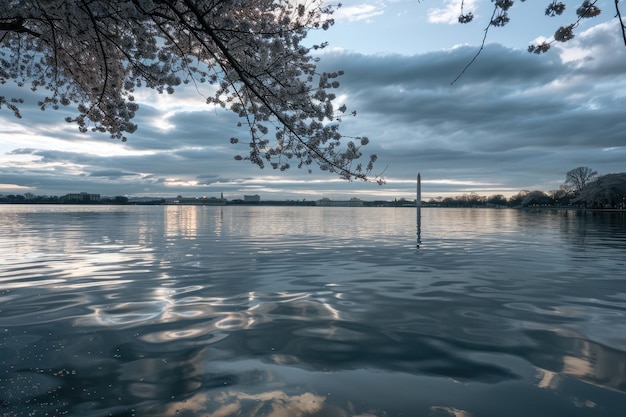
(96,53)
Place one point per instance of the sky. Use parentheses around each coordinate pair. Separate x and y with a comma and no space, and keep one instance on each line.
(513,121)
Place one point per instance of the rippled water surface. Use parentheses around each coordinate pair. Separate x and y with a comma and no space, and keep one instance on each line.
(310,311)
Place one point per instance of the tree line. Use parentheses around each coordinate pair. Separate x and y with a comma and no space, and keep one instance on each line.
(523,198)
(29,198)
(582,188)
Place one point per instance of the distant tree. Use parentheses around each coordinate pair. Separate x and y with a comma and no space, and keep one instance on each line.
(516,200)
(497,200)
(607,190)
(95,54)
(434,202)
(562,196)
(470,200)
(449,202)
(401,201)
(536,198)
(579,177)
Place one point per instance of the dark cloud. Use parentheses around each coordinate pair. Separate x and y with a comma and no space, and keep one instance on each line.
(437,70)
(507,99)
(111,173)
(207,177)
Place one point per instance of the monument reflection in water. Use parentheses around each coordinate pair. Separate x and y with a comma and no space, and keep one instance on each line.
(317,311)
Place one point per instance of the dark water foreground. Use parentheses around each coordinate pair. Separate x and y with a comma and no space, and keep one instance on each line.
(297,312)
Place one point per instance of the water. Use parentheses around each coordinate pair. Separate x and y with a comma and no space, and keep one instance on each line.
(309,311)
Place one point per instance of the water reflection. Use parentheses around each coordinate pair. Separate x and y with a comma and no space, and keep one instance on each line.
(266,311)
(181,221)
(582,228)
(234,403)
(564,354)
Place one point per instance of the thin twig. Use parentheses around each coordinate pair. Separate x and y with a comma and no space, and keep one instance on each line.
(621,22)
(482,46)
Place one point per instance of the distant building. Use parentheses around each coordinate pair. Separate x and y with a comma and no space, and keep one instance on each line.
(353,202)
(251,198)
(199,201)
(143,200)
(81,197)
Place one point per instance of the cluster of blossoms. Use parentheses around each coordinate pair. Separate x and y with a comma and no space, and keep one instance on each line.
(95,54)
(500,17)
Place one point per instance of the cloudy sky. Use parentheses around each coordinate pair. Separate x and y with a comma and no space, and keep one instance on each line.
(514,121)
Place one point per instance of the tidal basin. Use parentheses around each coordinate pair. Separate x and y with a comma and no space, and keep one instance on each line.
(311,311)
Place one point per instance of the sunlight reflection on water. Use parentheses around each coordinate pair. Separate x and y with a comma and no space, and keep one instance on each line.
(276,311)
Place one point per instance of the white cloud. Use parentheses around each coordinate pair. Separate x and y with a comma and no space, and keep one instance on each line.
(450,12)
(599,47)
(361,12)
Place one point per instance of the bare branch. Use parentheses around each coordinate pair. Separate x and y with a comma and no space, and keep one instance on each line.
(482,46)
(621,21)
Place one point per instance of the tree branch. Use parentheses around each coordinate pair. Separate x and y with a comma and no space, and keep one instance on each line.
(621,22)
(100,43)
(17,26)
(243,77)
(482,45)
